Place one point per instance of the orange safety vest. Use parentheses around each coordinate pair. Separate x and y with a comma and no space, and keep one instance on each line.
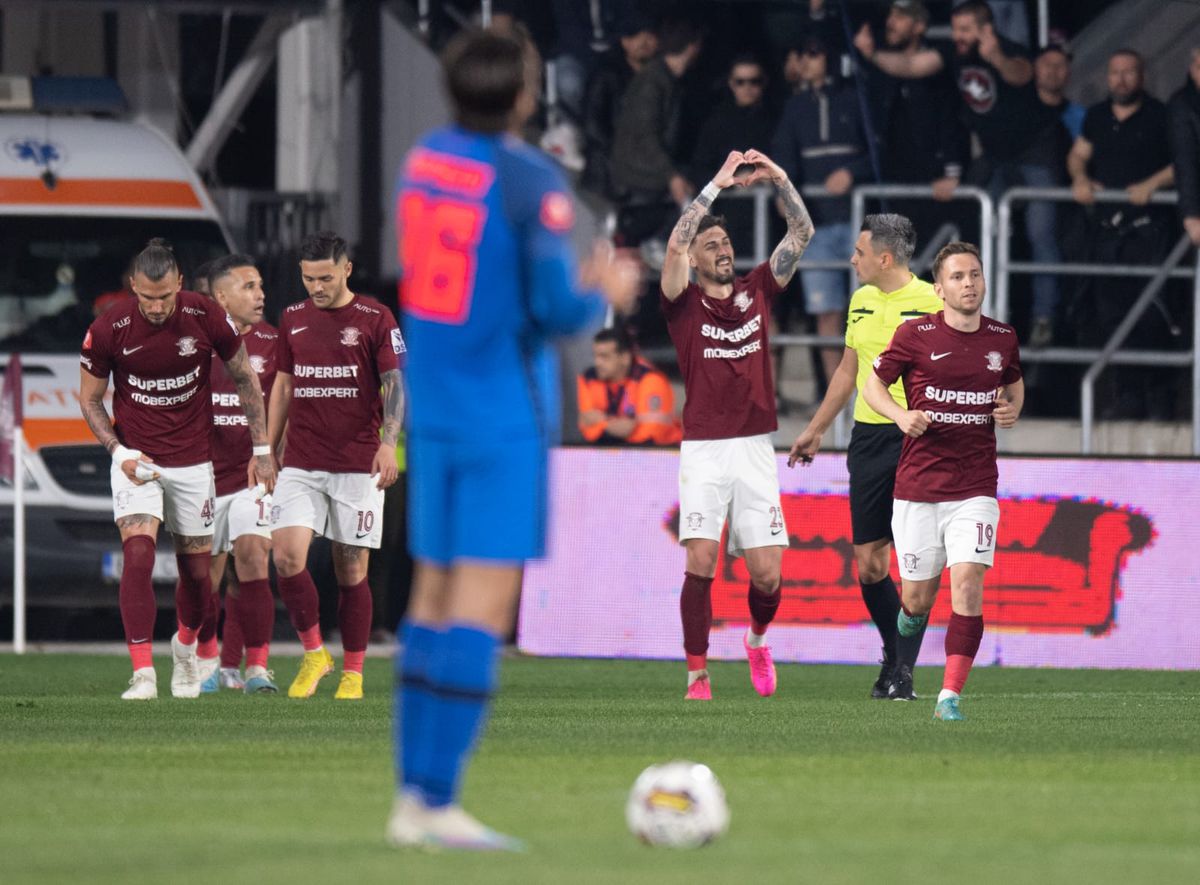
(643,393)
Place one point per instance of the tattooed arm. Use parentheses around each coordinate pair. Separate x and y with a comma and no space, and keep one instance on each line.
(91,403)
(262,467)
(392,393)
(675,266)
(393,406)
(799,224)
(799,231)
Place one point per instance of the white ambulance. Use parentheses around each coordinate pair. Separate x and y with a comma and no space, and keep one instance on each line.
(79,197)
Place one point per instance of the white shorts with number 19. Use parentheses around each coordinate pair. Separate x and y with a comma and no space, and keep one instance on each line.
(237,514)
(735,479)
(344,507)
(928,536)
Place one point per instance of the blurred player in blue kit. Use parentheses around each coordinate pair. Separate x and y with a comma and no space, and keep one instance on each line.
(488,279)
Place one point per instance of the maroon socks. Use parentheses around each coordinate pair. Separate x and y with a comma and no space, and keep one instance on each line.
(695,611)
(299,594)
(137,598)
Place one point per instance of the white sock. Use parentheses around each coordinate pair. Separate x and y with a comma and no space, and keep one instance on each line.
(946,693)
(754,640)
(696,676)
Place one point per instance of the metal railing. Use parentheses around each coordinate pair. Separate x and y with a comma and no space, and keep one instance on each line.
(987,226)
(762,196)
(1157,276)
(761,250)
(1005,266)
(995,242)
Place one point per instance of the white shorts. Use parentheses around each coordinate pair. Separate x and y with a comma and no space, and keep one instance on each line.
(928,537)
(344,507)
(240,514)
(182,498)
(735,479)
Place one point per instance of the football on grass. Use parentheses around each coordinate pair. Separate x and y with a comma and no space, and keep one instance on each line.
(677,804)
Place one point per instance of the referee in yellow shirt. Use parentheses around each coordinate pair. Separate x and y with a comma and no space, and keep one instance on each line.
(889,294)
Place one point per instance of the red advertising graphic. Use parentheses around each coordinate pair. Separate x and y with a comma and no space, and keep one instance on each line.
(1058,566)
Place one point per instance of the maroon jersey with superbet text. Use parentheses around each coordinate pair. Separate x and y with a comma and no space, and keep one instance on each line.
(161,373)
(724,357)
(335,358)
(231,441)
(954,376)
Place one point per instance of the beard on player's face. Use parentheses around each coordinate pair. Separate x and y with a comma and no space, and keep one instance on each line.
(159,316)
(720,271)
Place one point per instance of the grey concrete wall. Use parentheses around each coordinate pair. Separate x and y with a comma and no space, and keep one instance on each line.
(412,103)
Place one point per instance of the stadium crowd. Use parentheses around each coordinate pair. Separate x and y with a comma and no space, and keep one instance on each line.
(850,93)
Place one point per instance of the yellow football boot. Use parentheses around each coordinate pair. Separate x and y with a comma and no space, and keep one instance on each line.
(312,670)
(350,688)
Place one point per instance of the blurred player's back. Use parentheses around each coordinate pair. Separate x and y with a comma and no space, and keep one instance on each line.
(486,278)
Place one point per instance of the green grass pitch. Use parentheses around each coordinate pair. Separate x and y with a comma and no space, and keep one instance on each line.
(1057,776)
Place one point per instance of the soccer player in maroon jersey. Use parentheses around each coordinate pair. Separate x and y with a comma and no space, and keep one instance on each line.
(962,378)
(727,465)
(338,381)
(241,515)
(158,349)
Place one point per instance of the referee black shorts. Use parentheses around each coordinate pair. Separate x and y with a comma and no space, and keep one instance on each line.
(871,459)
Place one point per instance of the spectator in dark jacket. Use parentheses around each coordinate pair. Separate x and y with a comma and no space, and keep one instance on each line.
(1125,145)
(740,122)
(923,141)
(645,145)
(1184,115)
(1051,74)
(820,142)
(602,100)
(785,25)
(1020,136)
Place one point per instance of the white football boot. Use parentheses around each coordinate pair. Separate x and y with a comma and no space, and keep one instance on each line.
(185,677)
(143,686)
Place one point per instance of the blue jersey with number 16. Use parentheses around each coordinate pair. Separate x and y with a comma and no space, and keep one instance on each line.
(488,278)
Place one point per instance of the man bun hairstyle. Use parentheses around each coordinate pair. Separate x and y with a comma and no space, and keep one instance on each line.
(893,233)
(951,249)
(324,245)
(483,72)
(155,261)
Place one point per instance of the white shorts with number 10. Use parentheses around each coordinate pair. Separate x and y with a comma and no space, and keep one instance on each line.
(237,514)
(735,479)
(928,537)
(344,507)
